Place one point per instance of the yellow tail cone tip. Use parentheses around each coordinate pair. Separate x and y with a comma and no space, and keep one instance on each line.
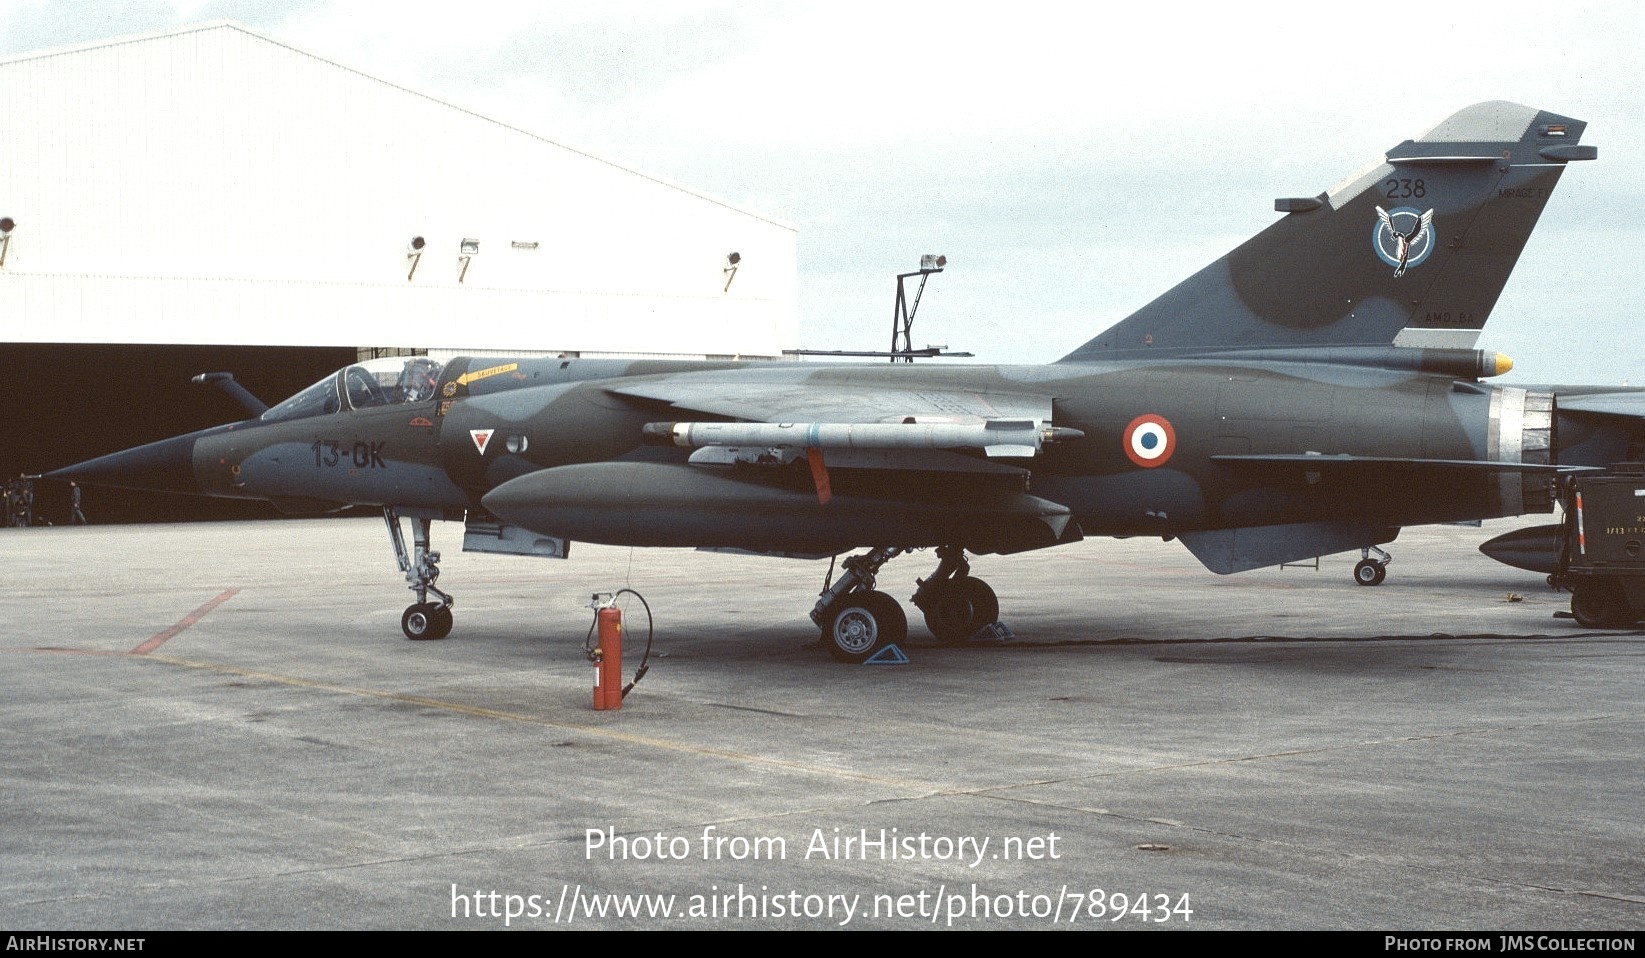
(1503,364)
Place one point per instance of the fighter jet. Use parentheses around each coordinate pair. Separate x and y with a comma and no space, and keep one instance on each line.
(1311,392)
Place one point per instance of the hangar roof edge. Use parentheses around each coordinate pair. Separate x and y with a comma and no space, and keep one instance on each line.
(241,28)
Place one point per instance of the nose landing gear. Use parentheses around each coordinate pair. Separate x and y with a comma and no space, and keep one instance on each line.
(1369,571)
(422,620)
(426,620)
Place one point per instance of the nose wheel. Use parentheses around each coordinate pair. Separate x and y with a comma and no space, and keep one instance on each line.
(1369,571)
(426,621)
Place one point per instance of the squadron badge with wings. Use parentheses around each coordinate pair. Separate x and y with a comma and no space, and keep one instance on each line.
(1403,237)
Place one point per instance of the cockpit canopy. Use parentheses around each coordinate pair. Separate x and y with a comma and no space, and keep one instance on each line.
(387,381)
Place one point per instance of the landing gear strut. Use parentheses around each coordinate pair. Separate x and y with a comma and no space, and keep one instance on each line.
(955,604)
(1369,571)
(857,621)
(422,619)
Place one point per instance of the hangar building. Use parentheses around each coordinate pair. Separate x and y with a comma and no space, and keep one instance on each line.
(213,187)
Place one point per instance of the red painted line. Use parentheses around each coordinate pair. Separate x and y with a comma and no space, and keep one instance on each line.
(160,638)
(45,651)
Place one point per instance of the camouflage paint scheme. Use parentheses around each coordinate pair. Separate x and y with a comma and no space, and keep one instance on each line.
(1309,393)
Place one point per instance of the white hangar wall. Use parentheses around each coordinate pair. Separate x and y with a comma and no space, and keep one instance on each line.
(210,185)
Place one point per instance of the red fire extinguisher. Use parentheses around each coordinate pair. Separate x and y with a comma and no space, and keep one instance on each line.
(606,652)
(608,659)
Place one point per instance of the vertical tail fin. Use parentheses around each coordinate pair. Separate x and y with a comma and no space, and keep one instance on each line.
(1411,250)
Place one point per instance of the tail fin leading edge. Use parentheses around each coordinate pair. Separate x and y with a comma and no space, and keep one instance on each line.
(1413,250)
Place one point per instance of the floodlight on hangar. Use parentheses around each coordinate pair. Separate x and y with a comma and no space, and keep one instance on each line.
(466,250)
(414,252)
(731,260)
(7,224)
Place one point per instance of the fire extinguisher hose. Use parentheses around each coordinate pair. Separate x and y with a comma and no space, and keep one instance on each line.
(650,632)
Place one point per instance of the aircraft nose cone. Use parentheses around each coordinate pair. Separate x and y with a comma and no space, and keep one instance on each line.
(164,466)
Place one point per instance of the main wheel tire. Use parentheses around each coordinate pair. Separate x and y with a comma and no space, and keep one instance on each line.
(1600,603)
(420,622)
(863,623)
(961,607)
(1369,572)
(442,622)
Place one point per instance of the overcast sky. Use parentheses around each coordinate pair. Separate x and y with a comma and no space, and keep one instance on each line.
(1073,161)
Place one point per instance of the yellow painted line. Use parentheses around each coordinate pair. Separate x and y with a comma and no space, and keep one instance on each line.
(744,758)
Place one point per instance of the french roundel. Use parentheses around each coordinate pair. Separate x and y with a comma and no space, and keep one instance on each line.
(1150,440)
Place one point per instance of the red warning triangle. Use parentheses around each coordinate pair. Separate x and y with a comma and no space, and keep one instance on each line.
(481,438)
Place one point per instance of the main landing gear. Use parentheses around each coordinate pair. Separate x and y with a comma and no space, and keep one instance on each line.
(422,619)
(955,604)
(858,621)
(1369,571)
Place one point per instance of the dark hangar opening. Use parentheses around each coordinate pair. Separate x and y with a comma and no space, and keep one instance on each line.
(62,403)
